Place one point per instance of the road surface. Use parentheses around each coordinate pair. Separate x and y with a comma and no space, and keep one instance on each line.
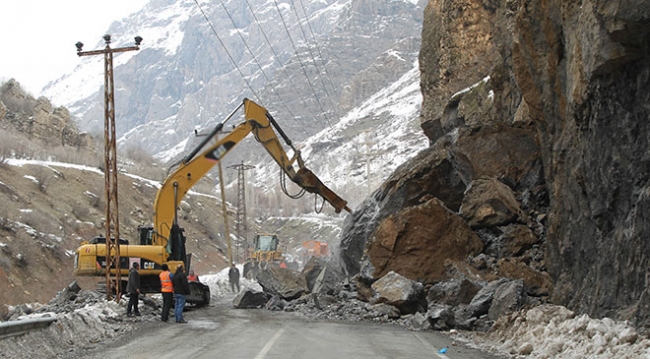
(225,332)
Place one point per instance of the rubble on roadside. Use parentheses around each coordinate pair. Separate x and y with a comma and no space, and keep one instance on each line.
(84,319)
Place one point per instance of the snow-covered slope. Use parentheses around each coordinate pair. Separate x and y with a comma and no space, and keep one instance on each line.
(308,61)
(357,154)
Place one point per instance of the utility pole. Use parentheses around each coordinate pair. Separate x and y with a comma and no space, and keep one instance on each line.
(241,227)
(110,164)
(224,208)
(225,214)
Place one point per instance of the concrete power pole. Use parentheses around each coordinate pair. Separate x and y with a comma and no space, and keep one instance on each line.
(241,228)
(110,164)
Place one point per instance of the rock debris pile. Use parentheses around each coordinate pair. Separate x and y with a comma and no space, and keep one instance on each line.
(494,311)
(84,319)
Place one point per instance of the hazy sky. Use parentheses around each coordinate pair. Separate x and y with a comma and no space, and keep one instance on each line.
(37,37)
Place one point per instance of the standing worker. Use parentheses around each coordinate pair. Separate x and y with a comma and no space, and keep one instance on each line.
(192,277)
(167,291)
(133,288)
(181,289)
(233,276)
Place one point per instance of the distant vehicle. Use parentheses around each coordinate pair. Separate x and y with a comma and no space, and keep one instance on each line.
(314,248)
(264,252)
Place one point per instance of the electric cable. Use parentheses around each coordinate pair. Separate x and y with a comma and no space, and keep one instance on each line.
(262,69)
(214,31)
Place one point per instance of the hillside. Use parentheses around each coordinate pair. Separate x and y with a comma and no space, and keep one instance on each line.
(53,199)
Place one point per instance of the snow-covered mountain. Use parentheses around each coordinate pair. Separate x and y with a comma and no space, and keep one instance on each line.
(339,76)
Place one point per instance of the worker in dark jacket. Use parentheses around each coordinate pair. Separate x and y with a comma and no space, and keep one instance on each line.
(181,289)
(233,277)
(133,288)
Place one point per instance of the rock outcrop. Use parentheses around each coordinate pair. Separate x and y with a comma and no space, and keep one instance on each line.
(538,122)
(38,118)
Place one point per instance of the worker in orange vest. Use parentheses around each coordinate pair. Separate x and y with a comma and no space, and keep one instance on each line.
(167,291)
(283,264)
(192,277)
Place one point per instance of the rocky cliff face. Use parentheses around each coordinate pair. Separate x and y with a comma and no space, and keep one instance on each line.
(583,71)
(38,119)
(537,117)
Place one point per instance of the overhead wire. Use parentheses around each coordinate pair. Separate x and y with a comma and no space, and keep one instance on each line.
(311,86)
(302,65)
(277,57)
(320,77)
(320,54)
(295,10)
(262,69)
(214,31)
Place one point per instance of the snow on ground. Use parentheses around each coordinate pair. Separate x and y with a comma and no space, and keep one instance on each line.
(551,331)
(220,286)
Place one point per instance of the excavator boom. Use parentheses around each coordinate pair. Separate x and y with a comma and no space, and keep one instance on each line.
(194,167)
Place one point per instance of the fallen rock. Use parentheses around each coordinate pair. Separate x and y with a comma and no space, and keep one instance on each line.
(327,281)
(249,299)
(420,321)
(276,304)
(389,311)
(405,294)
(508,298)
(409,242)
(441,317)
(537,283)
(453,292)
(285,283)
(312,270)
(481,303)
(488,202)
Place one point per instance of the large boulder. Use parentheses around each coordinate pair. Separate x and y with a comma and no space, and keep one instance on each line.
(416,242)
(312,270)
(429,174)
(250,299)
(282,282)
(406,295)
(482,301)
(441,317)
(453,292)
(537,283)
(489,202)
(508,298)
(328,280)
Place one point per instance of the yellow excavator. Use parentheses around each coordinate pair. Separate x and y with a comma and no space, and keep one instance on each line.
(164,242)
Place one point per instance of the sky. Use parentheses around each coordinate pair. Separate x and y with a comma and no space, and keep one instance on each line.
(38,37)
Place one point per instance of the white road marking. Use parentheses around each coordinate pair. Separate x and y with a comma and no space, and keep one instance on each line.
(269,344)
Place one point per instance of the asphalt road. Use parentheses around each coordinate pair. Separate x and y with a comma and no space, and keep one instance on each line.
(220,331)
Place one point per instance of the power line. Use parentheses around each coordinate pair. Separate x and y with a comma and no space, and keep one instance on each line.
(320,54)
(214,31)
(277,57)
(262,69)
(301,63)
(295,10)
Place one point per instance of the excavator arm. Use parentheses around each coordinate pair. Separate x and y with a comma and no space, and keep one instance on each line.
(196,165)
